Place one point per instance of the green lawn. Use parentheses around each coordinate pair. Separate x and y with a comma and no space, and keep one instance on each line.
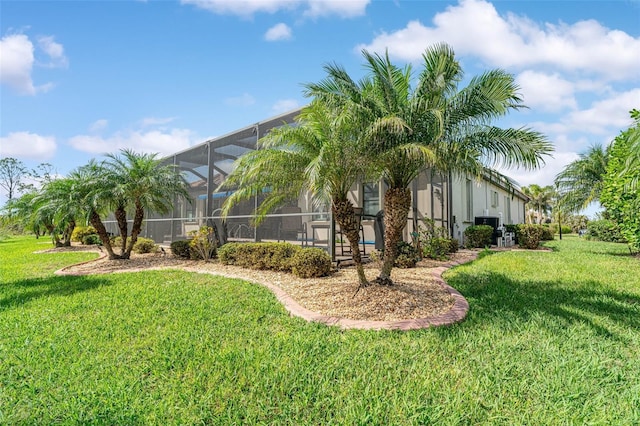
(551,338)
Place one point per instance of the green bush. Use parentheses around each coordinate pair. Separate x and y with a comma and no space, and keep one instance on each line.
(269,256)
(407,256)
(203,243)
(547,233)
(311,263)
(227,253)
(439,248)
(91,239)
(180,248)
(435,242)
(566,229)
(79,232)
(478,236)
(605,230)
(529,236)
(145,245)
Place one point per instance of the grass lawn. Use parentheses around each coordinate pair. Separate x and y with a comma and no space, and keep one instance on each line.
(551,338)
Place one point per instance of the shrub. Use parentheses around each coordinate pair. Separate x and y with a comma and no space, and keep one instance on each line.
(529,236)
(227,253)
(439,248)
(180,248)
(79,232)
(478,236)
(91,239)
(605,230)
(145,245)
(547,233)
(203,243)
(270,256)
(407,256)
(311,263)
(435,242)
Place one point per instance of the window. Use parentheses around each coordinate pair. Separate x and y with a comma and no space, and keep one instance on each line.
(469,201)
(495,199)
(371,198)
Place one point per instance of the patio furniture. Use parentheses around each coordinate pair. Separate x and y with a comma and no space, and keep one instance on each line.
(292,226)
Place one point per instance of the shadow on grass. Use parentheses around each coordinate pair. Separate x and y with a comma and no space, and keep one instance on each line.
(494,297)
(23,291)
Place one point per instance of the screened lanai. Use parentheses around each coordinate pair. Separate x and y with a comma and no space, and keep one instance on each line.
(301,221)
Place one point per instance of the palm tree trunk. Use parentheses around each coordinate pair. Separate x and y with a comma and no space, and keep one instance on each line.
(397,203)
(96,222)
(121,218)
(68,232)
(345,216)
(135,229)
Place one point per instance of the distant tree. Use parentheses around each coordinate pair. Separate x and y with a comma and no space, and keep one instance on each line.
(12,175)
(540,200)
(580,183)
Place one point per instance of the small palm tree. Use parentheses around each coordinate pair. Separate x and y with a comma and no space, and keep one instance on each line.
(321,154)
(140,182)
(430,125)
(580,183)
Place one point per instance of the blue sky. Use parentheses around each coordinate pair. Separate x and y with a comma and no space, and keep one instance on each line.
(81,78)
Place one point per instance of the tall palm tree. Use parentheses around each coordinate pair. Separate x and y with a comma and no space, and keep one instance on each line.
(321,154)
(540,200)
(141,182)
(433,124)
(580,182)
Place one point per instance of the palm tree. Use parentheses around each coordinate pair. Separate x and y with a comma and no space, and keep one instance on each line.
(321,154)
(430,125)
(140,182)
(540,199)
(580,183)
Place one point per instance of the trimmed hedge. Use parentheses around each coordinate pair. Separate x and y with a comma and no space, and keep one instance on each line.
(478,236)
(91,240)
(269,256)
(310,263)
(180,248)
(529,236)
(79,232)
(145,245)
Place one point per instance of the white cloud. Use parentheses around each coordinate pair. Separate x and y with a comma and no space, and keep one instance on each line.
(244,100)
(342,8)
(278,32)
(17,60)
(55,52)
(156,121)
(284,105)
(513,41)
(99,125)
(545,175)
(546,92)
(154,141)
(16,52)
(244,8)
(28,145)
(312,8)
(605,114)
